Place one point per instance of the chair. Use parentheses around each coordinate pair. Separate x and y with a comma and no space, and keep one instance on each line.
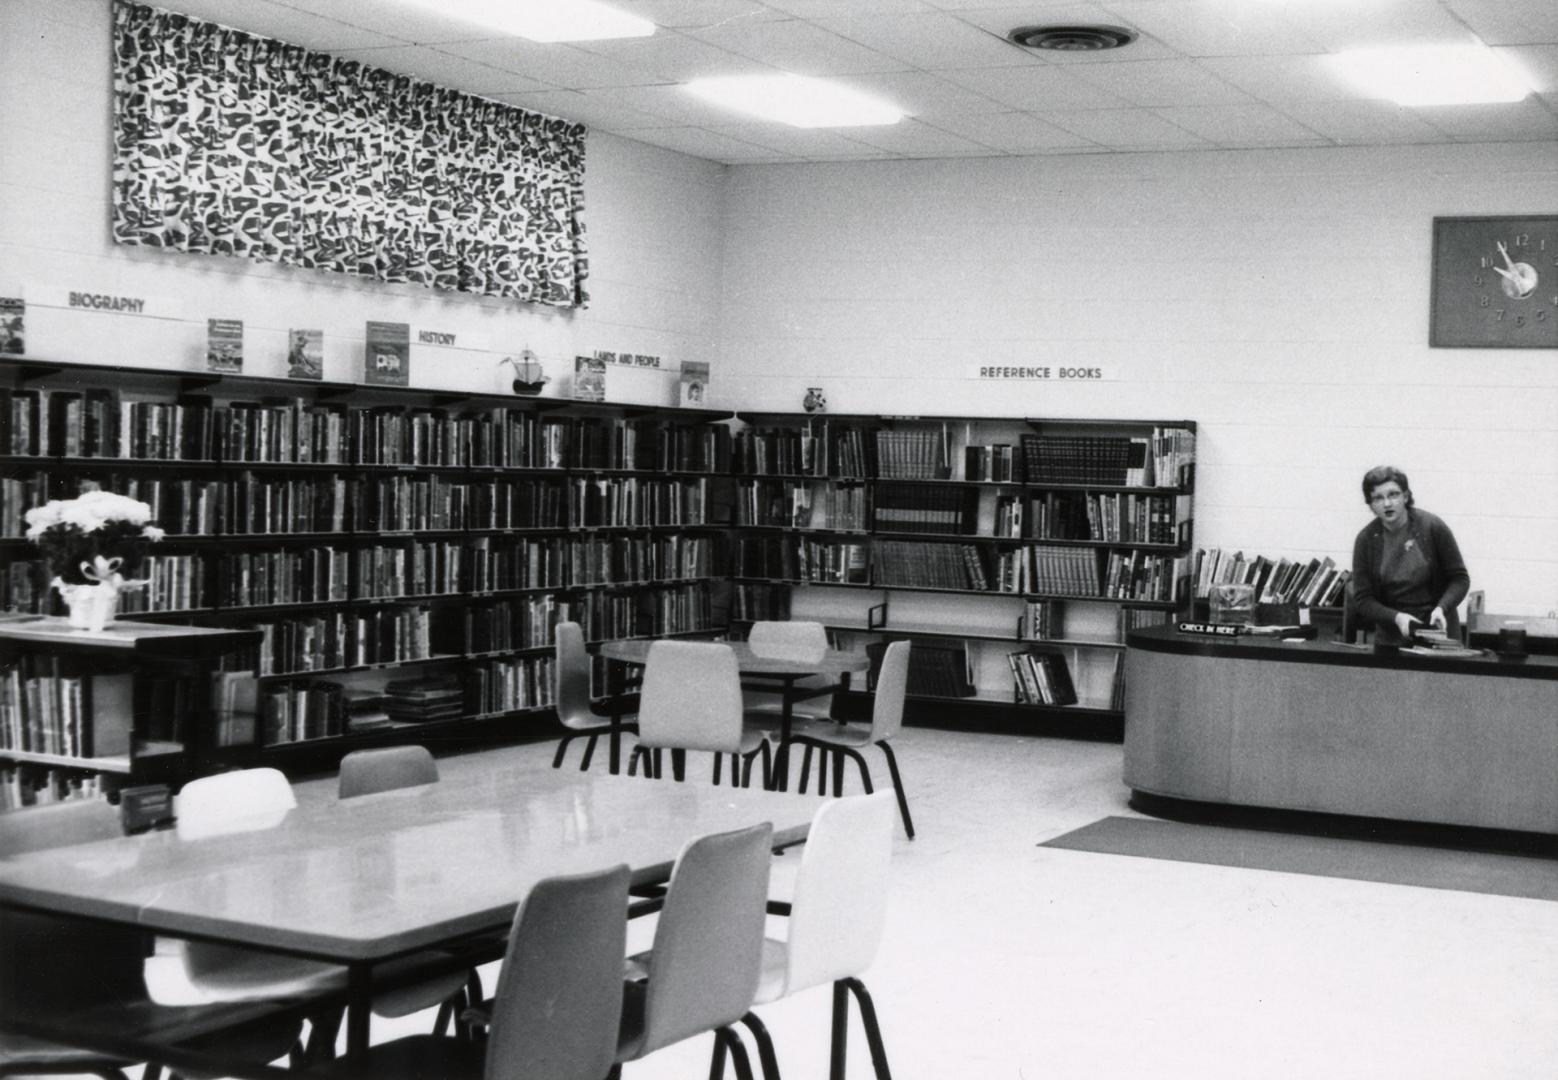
(691,700)
(557,1010)
(575,709)
(390,768)
(789,641)
(702,971)
(31,943)
(836,917)
(201,973)
(840,742)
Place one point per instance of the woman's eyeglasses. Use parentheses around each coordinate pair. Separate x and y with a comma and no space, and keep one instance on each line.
(1387,497)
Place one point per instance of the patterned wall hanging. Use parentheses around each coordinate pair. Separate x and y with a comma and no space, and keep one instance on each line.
(231,144)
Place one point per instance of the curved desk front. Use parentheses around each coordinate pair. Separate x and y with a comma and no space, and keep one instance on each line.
(1320,726)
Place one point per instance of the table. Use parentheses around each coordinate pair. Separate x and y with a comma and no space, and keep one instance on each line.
(834,663)
(372,878)
(1322,726)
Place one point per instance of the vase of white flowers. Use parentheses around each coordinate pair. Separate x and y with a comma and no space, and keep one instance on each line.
(93,543)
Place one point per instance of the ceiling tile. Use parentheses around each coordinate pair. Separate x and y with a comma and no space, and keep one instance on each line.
(1019,133)
(674,103)
(558,65)
(1521,120)
(914,139)
(1162,83)
(1282,79)
(803,143)
(1364,122)
(930,42)
(1509,22)
(428,63)
(824,9)
(406,22)
(1125,129)
(700,142)
(1217,27)
(923,95)
(798,47)
(693,14)
(285,23)
(673,56)
(584,107)
(1242,125)
(1035,88)
(1350,25)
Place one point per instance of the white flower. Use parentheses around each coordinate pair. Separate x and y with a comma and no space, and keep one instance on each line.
(88,512)
(151,532)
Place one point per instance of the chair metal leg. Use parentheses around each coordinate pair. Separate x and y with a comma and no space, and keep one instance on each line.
(719,765)
(589,753)
(839,1044)
(765,1046)
(838,774)
(738,1053)
(805,769)
(865,770)
(873,1029)
(562,751)
(717,1059)
(678,765)
(903,800)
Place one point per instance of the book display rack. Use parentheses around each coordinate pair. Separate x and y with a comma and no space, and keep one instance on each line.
(1015,553)
(398,557)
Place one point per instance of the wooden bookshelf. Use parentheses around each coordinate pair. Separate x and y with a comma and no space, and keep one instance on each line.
(967,532)
(361,529)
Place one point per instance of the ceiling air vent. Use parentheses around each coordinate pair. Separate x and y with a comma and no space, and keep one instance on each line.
(1071,38)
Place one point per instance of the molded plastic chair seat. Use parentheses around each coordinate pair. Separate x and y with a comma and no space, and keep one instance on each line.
(790,640)
(691,700)
(836,919)
(702,972)
(576,710)
(557,1011)
(840,741)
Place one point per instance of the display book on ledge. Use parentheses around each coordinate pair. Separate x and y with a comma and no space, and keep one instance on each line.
(1058,536)
(388,543)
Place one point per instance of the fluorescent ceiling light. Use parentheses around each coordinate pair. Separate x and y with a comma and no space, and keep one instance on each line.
(797,100)
(544,20)
(1433,74)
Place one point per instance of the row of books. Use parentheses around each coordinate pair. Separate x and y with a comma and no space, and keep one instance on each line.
(299,711)
(756,601)
(171,583)
(26,785)
(936,668)
(819,449)
(1049,568)
(246,504)
(1137,575)
(913,454)
(1041,677)
(626,501)
(911,564)
(1110,517)
(336,641)
(801,504)
(1307,583)
(494,564)
(1046,620)
(415,568)
(990,462)
(500,686)
(800,558)
(45,710)
(527,622)
(927,508)
(1164,458)
(101,423)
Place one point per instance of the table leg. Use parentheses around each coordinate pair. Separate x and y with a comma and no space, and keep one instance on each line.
(616,745)
(782,755)
(359,1008)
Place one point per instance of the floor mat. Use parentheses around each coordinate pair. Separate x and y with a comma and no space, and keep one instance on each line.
(1360,860)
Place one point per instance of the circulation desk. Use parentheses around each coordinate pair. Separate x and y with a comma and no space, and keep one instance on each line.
(1321,726)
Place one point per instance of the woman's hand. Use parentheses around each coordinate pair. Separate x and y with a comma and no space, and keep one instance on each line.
(1436,619)
(1405,622)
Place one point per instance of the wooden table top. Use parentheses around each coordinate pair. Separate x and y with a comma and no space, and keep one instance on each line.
(832,662)
(375,876)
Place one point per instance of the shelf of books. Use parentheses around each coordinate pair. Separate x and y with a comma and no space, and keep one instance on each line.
(1317,583)
(401,555)
(1014,553)
(83,714)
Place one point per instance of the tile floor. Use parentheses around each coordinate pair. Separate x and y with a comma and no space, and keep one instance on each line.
(1006,960)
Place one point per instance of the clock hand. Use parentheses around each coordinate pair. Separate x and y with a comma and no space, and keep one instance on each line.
(1512,275)
(1502,250)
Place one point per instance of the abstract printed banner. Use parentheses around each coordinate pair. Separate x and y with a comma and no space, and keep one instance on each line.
(230,144)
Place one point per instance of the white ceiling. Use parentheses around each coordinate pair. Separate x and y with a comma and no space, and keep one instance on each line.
(1204,74)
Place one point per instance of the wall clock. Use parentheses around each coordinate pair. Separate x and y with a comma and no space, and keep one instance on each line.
(1495,282)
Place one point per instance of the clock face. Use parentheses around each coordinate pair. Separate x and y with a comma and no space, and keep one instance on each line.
(1495,282)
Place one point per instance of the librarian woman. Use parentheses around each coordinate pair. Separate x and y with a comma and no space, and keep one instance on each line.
(1407,569)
